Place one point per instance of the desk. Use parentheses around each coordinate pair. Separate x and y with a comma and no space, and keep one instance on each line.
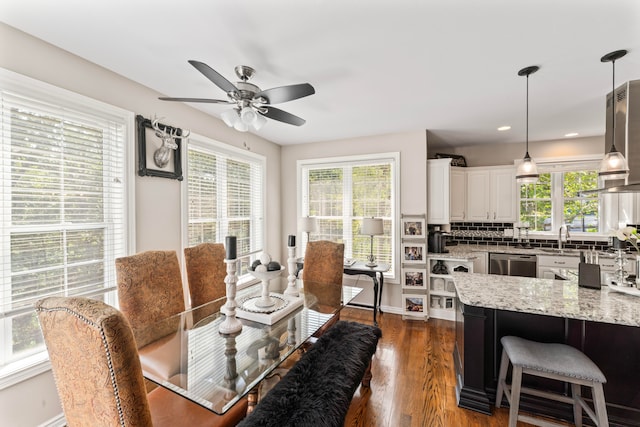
(187,354)
(374,272)
(359,267)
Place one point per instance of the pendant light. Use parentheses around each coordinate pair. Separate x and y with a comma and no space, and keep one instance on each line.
(614,165)
(527,172)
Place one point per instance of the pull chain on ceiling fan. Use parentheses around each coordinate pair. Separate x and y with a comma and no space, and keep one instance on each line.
(251,104)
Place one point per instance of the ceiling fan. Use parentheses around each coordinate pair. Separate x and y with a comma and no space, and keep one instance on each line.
(251,104)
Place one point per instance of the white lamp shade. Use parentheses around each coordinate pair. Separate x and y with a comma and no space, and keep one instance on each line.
(308,224)
(248,115)
(259,122)
(372,227)
(229,117)
(613,166)
(240,126)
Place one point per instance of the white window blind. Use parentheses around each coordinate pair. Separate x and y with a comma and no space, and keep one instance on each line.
(62,206)
(225,197)
(340,192)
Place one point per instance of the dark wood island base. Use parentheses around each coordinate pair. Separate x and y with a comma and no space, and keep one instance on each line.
(615,348)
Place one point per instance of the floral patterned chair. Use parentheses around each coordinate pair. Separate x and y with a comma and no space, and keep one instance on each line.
(95,363)
(206,271)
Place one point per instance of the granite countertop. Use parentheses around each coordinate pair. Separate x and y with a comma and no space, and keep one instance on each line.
(559,298)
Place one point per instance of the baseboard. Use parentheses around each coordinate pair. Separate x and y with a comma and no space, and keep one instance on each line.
(57,421)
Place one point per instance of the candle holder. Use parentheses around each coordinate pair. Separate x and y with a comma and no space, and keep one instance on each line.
(620,274)
(292,288)
(230,324)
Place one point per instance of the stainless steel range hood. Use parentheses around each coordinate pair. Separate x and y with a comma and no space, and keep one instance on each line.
(627,108)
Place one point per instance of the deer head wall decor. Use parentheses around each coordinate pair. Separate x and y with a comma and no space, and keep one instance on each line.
(162,155)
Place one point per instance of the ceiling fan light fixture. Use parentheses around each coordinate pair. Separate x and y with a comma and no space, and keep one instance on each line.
(614,165)
(248,115)
(259,122)
(229,117)
(240,126)
(527,172)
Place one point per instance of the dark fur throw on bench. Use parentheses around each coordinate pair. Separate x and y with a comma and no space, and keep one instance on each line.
(318,390)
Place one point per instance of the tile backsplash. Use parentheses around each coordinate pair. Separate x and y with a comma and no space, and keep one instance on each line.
(492,233)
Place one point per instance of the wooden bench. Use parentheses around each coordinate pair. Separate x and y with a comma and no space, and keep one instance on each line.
(317,391)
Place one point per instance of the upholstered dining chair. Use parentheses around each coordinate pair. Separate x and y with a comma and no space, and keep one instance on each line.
(206,271)
(322,277)
(98,375)
(149,289)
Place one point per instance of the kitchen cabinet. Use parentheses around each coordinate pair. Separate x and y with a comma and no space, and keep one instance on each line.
(438,191)
(548,263)
(491,194)
(446,192)
(457,194)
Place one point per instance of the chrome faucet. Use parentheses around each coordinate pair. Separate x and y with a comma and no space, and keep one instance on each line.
(566,237)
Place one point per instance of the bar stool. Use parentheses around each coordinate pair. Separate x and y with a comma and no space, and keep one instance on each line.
(556,361)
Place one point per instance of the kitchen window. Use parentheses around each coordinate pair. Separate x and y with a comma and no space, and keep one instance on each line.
(555,199)
(63,206)
(339,192)
(224,196)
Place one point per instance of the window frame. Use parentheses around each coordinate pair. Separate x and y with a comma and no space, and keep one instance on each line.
(573,164)
(351,161)
(209,145)
(42,92)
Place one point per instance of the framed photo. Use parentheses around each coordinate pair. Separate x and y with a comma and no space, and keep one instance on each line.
(149,145)
(413,253)
(413,303)
(413,228)
(414,278)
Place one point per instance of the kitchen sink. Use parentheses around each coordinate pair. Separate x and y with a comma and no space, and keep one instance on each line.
(561,251)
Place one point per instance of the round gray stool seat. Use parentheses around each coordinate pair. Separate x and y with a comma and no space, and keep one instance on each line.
(559,359)
(556,361)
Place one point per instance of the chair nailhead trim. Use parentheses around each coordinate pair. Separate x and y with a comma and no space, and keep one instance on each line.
(112,373)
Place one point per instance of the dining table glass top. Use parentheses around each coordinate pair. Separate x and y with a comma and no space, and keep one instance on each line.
(187,354)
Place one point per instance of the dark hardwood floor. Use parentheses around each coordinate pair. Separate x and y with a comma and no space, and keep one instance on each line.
(413,382)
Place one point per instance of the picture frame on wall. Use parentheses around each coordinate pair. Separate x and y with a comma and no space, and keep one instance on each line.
(148,145)
(413,228)
(413,304)
(413,253)
(414,278)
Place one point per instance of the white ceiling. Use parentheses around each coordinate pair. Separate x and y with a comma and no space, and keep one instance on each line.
(378,66)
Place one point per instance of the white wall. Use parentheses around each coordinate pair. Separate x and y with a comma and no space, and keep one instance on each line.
(158,223)
(413,185)
(505,154)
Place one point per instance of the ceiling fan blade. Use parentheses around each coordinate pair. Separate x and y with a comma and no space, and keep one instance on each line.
(280,94)
(214,76)
(282,116)
(205,100)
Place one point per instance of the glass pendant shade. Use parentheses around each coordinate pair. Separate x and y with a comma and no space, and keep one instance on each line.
(613,166)
(527,172)
(229,117)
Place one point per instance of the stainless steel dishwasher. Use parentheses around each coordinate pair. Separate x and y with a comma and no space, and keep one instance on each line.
(513,265)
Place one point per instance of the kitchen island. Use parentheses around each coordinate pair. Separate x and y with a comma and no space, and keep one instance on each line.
(601,323)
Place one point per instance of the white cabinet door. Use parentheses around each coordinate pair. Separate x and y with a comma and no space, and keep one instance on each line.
(438,191)
(503,195)
(478,195)
(458,194)
(491,194)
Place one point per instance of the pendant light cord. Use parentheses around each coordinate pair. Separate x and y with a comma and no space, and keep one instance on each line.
(613,107)
(527,121)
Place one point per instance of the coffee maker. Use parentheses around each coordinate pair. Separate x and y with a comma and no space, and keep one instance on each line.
(437,241)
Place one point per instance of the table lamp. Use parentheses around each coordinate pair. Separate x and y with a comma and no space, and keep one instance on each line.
(308,224)
(372,227)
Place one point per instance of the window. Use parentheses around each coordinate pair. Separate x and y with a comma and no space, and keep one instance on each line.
(554,200)
(62,206)
(225,190)
(340,192)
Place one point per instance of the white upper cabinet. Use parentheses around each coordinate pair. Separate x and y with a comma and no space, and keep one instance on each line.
(491,194)
(458,194)
(438,191)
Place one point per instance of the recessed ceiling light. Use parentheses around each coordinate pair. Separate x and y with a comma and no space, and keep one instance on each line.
(569,135)
(503,128)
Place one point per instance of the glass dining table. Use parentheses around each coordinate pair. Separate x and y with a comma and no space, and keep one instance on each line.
(187,354)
